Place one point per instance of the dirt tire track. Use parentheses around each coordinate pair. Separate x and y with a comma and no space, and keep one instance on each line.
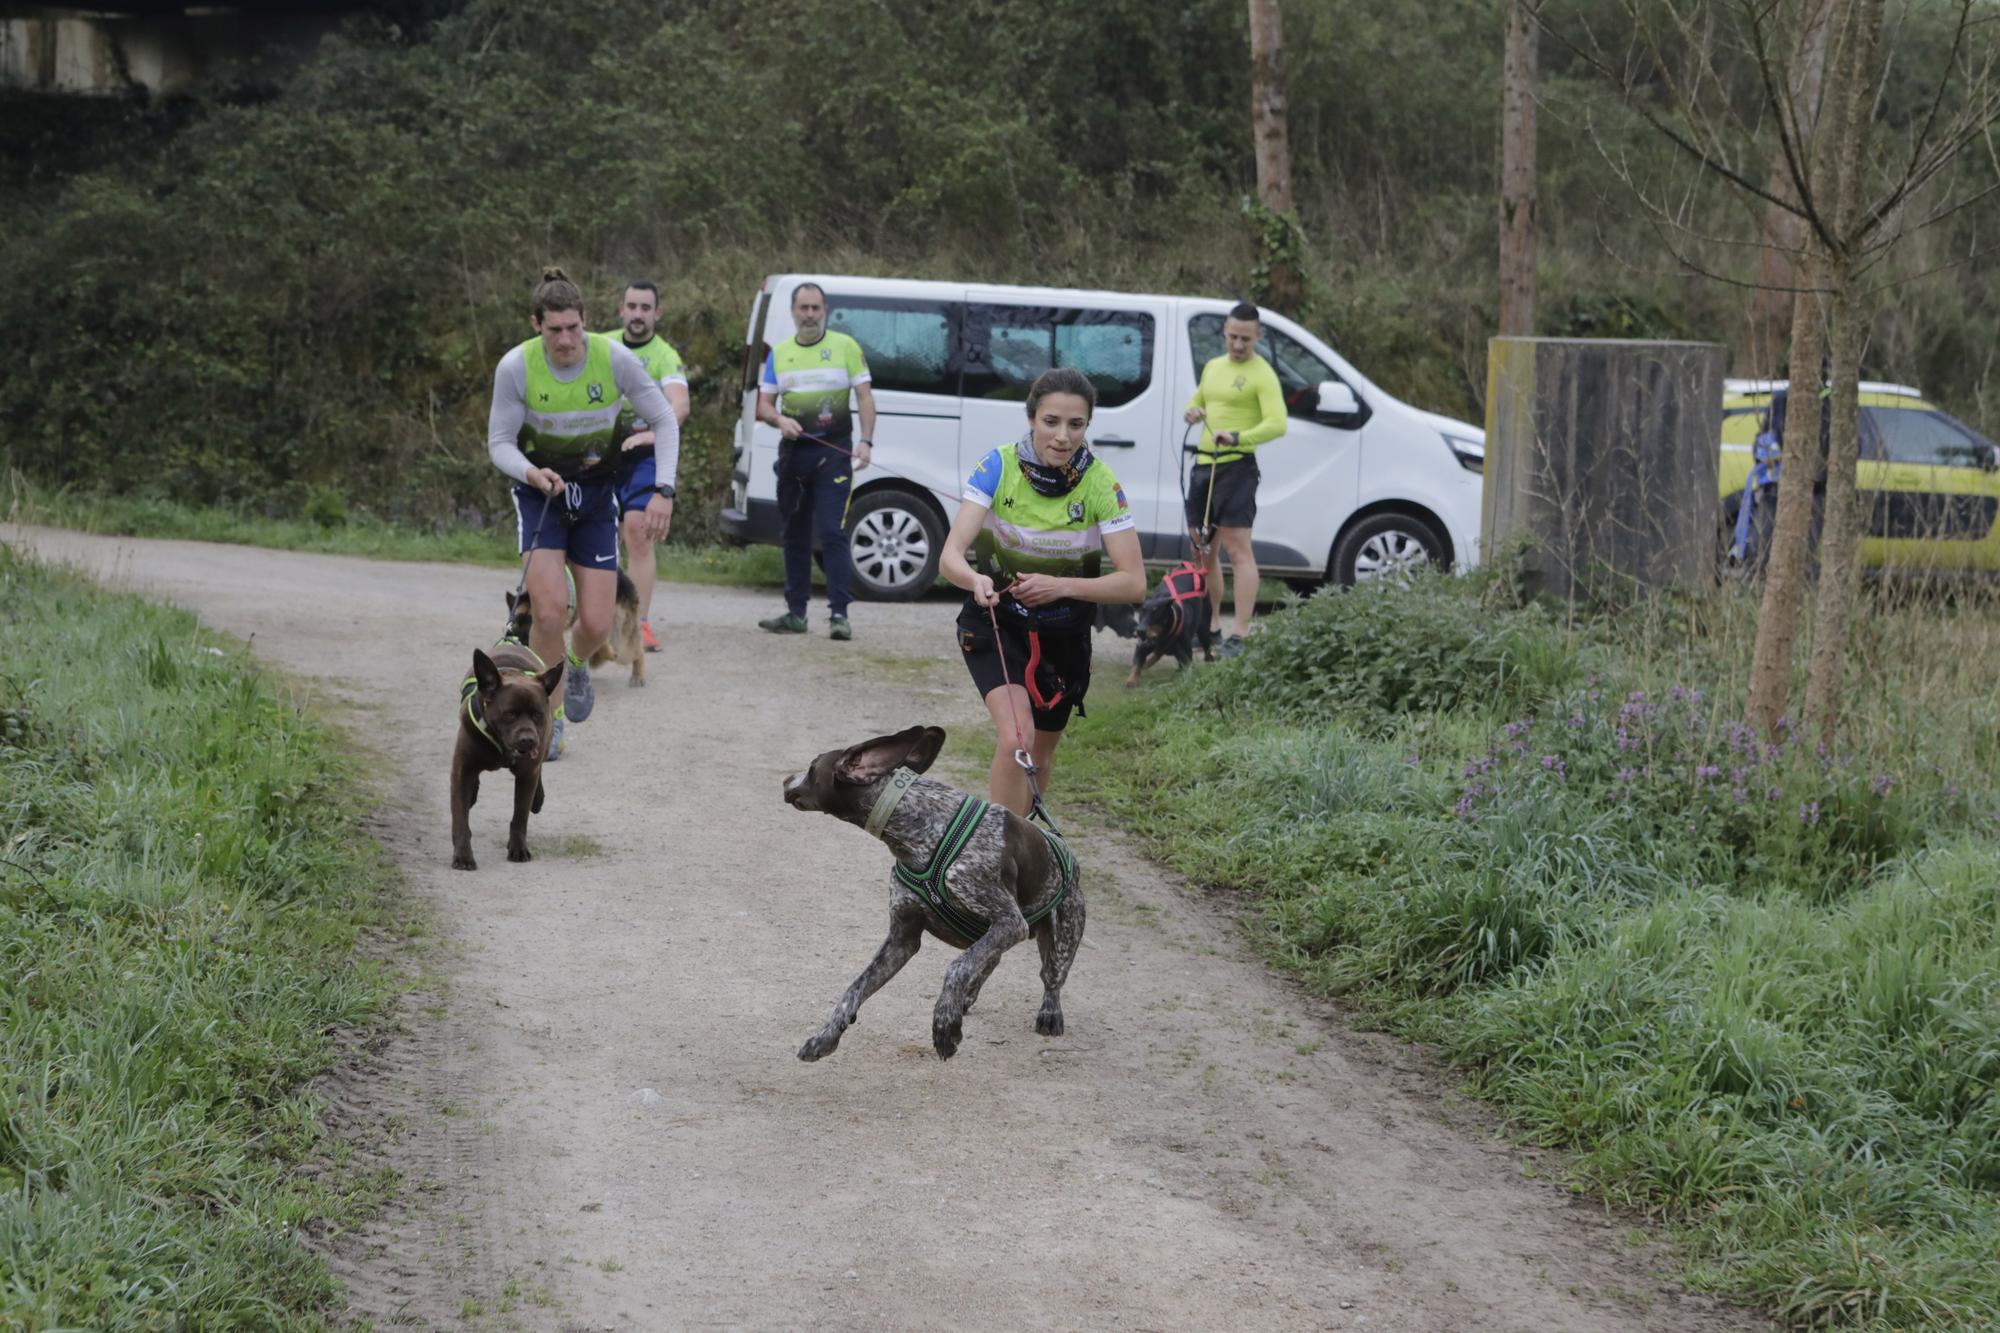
(1205,1147)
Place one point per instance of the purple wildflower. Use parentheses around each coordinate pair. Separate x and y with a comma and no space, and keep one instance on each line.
(1705,772)
(1884,784)
(1809,814)
(1626,774)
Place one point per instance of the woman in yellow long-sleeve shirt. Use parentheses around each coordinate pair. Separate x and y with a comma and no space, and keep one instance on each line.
(1240,399)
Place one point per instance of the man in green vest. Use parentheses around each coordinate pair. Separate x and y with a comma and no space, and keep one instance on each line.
(803,392)
(644,511)
(1241,401)
(553,428)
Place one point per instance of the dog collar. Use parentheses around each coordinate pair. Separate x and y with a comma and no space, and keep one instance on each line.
(900,783)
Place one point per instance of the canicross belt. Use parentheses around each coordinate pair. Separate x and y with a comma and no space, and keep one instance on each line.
(928,883)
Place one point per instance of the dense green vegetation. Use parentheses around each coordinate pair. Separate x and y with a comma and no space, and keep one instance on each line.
(183,881)
(1755,985)
(303,287)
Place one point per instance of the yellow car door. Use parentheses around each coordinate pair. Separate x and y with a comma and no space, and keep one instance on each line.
(1934,492)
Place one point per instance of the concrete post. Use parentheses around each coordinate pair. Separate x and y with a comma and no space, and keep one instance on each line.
(1601,461)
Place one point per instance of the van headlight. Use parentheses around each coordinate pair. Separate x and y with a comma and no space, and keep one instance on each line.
(1471,454)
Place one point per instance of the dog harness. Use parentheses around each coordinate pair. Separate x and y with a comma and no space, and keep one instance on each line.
(928,882)
(1188,582)
(468,693)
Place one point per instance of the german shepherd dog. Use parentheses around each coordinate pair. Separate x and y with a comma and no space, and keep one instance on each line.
(624,645)
(503,722)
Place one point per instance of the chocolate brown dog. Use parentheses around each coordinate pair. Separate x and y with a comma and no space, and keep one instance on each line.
(503,722)
(624,645)
(976,875)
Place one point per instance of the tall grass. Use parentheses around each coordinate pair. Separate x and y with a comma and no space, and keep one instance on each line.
(183,881)
(1752,982)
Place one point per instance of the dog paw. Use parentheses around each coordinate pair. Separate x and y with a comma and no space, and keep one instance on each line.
(520,853)
(818,1046)
(946,1037)
(1049,1024)
(463,861)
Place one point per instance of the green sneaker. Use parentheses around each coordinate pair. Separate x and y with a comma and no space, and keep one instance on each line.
(785,624)
(840,629)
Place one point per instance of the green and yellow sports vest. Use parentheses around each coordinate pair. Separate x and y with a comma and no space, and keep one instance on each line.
(663,364)
(569,426)
(1026,532)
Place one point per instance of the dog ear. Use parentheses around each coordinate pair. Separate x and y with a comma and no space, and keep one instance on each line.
(551,680)
(925,751)
(485,672)
(871,761)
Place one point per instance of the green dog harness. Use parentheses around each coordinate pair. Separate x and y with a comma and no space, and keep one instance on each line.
(929,884)
(468,693)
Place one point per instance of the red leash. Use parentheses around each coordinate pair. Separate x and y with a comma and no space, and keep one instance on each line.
(1022,755)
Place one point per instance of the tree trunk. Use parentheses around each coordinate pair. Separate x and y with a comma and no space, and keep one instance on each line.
(1769,318)
(1517,174)
(1791,536)
(1273,151)
(1850,96)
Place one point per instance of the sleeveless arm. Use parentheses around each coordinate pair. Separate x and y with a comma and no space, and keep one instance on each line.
(504,417)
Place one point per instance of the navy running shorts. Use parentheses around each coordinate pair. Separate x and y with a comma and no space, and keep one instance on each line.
(582,520)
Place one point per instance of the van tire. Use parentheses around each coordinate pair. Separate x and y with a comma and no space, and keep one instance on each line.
(1385,545)
(896,539)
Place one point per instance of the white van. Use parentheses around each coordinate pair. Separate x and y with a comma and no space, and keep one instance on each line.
(1358,487)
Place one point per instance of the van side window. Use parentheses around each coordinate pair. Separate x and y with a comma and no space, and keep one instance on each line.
(1007,346)
(909,344)
(1300,373)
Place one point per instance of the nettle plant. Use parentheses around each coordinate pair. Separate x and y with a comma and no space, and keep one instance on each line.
(1708,795)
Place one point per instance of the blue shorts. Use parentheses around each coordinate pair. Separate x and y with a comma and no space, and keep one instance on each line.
(584,523)
(635,489)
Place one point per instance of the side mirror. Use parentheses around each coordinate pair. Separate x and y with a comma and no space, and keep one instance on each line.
(1337,405)
(1990,461)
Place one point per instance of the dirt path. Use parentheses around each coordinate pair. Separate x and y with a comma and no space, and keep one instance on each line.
(1203,1149)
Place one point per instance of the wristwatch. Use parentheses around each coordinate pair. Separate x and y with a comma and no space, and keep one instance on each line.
(666,489)
(865,440)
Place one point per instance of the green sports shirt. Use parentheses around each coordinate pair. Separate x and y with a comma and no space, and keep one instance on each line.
(812,382)
(1026,532)
(1244,397)
(663,367)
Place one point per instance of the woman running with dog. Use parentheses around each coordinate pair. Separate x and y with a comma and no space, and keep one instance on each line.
(1039,516)
(552,428)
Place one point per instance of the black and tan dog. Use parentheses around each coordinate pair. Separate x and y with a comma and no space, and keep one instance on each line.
(1173,620)
(624,645)
(503,722)
(976,875)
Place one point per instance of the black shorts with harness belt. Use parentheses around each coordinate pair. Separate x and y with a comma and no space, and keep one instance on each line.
(1223,494)
(928,881)
(1054,666)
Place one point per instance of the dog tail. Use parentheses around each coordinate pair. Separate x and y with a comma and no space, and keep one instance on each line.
(628,592)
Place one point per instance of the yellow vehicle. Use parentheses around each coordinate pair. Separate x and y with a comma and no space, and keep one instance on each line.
(1930,483)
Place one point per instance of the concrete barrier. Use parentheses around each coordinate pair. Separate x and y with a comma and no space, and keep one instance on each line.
(1601,461)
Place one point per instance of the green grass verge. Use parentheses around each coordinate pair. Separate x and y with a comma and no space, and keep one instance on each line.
(337,530)
(1755,987)
(183,883)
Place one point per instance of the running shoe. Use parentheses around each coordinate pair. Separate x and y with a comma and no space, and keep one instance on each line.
(785,624)
(838,628)
(1233,646)
(646,634)
(555,741)
(578,696)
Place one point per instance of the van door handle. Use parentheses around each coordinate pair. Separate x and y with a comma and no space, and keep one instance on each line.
(1114,442)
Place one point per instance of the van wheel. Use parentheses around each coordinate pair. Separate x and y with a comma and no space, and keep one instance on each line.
(896,540)
(1386,546)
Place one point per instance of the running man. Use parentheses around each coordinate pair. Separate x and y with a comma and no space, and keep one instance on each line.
(645,506)
(553,422)
(1244,406)
(803,393)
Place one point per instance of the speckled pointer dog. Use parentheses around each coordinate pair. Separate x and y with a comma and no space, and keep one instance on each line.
(976,875)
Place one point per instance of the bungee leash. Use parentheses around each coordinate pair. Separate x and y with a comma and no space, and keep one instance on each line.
(1022,755)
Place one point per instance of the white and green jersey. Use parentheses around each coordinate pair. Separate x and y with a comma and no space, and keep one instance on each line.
(546,416)
(663,367)
(1026,532)
(812,383)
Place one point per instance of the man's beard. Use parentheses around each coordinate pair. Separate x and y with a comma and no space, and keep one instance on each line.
(637,332)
